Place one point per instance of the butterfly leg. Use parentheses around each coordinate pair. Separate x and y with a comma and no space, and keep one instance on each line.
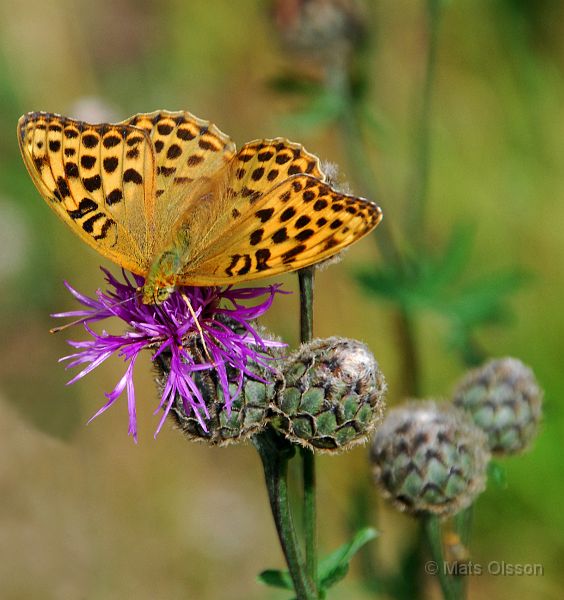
(199,328)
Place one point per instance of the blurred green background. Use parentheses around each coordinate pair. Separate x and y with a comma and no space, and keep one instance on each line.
(86,513)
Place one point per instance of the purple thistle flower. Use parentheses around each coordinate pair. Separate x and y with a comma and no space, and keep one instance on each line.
(167,327)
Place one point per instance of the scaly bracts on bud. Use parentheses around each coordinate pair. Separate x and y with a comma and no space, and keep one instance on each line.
(505,401)
(429,458)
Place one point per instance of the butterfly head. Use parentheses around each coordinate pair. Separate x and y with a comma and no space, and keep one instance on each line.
(156,294)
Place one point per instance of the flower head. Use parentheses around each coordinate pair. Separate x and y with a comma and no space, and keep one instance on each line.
(189,312)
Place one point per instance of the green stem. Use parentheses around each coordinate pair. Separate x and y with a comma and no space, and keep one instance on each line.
(306,304)
(310,512)
(275,453)
(410,380)
(338,82)
(463,527)
(463,524)
(437,566)
(418,196)
(308,458)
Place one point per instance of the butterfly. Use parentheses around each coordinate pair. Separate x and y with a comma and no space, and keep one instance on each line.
(167,196)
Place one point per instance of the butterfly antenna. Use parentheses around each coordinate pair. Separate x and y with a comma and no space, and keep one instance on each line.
(66,325)
(198,327)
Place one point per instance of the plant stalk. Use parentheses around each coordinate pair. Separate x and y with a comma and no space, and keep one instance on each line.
(418,195)
(308,457)
(450,586)
(275,453)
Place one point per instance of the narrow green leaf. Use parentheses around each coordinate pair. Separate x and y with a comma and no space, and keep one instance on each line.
(276,578)
(334,566)
(334,576)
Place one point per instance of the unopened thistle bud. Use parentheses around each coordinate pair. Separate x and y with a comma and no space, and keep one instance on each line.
(504,399)
(429,458)
(333,395)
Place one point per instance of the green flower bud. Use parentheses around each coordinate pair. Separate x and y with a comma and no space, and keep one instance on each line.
(333,395)
(505,401)
(429,458)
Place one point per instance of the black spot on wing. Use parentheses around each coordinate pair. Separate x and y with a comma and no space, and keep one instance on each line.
(134,139)
(262,256)
(110,164)
(104,231)
(90,140)
(133,176)
(287,214)
(292,254)
(87,161)
(234,260)
(88,225)
(265,214)
(166,171)
(85,206)
(257,173)
(256,236)
(114,196)
(63,187)
(111,140)
(304,235)
(194,160)
(174,151)
(265,155)
(92,183)
(246,267)
(164,128)
(280,236)
(71,169)
(185,134)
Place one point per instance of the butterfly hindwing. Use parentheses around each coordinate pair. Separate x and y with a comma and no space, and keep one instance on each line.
(188,151)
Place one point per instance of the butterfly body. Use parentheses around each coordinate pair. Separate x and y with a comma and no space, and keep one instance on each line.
(167,196)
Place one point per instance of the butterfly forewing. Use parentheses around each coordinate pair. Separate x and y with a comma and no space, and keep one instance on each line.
(83,174)
(258,167)
(300,222)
